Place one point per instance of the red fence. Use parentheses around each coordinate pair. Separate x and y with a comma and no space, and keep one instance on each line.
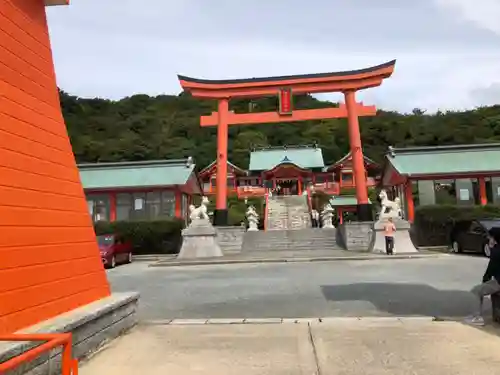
(69,365)
(251,191)
(330,188)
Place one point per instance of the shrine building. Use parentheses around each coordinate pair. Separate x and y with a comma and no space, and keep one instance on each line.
(287,170)
(457,174)
(140,190)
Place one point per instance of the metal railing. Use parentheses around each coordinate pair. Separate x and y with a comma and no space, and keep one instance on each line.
(69,365)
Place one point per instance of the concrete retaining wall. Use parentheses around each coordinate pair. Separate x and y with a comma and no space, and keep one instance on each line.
(357,236)
(230,239)
(91,326)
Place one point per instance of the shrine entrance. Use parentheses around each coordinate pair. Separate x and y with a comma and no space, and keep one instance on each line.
(284,87)
(287,178)
(287,186)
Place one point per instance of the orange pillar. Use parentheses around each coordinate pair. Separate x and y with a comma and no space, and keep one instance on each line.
(178,204)
(410,206)
(220,212)
(112,207)
(364,211)
(483,198)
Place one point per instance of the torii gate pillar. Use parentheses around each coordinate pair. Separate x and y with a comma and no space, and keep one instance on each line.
(364,211)
(220,212)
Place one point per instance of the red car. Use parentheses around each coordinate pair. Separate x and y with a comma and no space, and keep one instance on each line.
(114,250)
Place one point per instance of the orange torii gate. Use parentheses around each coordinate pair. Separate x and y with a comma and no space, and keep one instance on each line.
(285,86)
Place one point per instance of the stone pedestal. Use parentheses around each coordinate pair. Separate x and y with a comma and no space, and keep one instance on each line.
(402,240)
(230,239)
(356,236)
(199,241)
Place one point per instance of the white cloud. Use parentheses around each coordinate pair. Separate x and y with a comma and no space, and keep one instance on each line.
(484,13)
(122,47)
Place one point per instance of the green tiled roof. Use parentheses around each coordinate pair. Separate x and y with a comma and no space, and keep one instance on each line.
(228,163)
(304,157)
(135,174)
(445,159)
(344,200)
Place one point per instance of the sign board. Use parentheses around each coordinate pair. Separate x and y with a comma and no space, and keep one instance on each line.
(285,101)
(138,204)
(464,195)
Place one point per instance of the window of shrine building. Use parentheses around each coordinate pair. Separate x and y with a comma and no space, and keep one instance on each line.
(145,205)
(347,177)
(415,193)
(445,192)
(99,206)
(248,182)
(463,191)
(493,190)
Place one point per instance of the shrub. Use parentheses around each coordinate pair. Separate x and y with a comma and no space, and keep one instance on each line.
(237,208)
(433,224)
(147,237)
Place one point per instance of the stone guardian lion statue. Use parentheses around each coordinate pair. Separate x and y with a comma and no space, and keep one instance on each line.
(196,213)
(389,208)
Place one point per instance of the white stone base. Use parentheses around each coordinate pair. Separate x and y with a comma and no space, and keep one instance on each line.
(402,240)
(199,241)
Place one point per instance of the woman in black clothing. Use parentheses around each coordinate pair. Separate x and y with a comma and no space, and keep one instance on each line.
(491,277)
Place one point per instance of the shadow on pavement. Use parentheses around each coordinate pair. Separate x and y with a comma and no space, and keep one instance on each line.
(406,299)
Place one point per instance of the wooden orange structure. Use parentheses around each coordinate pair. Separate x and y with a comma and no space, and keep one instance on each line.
(49,260)
(285,86)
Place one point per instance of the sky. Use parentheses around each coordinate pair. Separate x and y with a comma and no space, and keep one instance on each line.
(447,51)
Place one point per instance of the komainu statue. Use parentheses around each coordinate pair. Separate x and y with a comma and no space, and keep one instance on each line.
(389,208)
(196,213)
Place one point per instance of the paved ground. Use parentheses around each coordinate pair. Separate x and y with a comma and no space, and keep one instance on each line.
(341,346)
(433,286)
(284,257)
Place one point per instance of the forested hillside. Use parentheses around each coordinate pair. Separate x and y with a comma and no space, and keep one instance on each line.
(143,127)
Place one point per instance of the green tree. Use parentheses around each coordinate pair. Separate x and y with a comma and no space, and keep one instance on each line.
(142,127)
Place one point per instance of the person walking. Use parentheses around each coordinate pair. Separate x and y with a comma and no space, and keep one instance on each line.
(389,231)
(314,218)
(491,279)
(318,219)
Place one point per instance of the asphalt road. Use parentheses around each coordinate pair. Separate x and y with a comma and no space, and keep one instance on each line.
(432,286)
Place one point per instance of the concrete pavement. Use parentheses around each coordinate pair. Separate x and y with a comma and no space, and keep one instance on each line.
(290,256)
(378,287)
(378,346)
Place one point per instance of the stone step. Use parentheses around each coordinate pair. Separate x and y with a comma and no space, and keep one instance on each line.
(276,241)
(294,247)
(288,212)
(312,249)
(300,239)
(309,242)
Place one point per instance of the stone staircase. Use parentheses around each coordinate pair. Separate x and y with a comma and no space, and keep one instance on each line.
(289,228)
(288,213)
(308,239)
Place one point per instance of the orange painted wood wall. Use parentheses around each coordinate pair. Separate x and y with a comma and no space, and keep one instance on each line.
(49,260)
